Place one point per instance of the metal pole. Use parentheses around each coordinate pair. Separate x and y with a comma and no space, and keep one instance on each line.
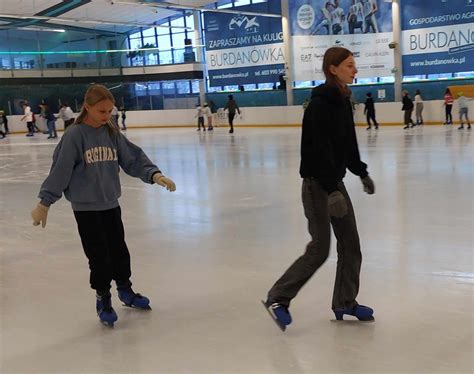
(285,22)
(198,40)
(397,55)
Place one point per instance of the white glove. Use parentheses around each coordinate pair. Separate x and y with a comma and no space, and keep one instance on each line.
(160,179)
(40,215)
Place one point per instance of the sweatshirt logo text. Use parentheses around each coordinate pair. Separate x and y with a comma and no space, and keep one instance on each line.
(100,154)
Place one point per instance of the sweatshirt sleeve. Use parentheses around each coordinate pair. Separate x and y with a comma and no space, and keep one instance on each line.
(65,157)
(354,164)
(134,161)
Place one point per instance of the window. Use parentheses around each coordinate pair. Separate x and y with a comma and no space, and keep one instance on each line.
(265,86)
(228,4)
(135,43)
(250,87)
(410,78)
(440,76)
(464,74)
(214,89)
(168,88)
(148,32)
(366,80)
(183,87)
(386,79)
(241,2)
(195,86)
(304,84)
(178,40)
(231,88)
(259,1)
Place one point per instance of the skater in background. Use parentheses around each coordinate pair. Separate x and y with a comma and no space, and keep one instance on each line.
(328,147)
(448,106)
(124,117)
(28,117)
(418,107)
(115,116)
(86,169)
(208,114)
(2,134)
(463,110)
(213,107)
(200,117)
(407,108)
(3,122)
(50,122)
(369,111)
(232,107)
(67,115)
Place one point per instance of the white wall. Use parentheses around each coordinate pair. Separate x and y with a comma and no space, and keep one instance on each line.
(387,114)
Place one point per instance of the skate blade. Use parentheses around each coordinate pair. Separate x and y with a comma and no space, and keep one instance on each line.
(136,307)
(348,321)
(281,327)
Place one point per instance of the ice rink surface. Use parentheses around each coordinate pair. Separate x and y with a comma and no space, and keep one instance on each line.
(207,254)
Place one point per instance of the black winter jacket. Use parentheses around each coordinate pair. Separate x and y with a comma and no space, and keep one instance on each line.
(328,140)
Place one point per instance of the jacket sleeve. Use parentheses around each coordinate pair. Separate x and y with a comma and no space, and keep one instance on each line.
(323,147)
(355,165)
(134,161)
(66,156)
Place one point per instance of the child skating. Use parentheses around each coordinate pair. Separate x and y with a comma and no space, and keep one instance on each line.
(463,110)
(328,147)
(86,169)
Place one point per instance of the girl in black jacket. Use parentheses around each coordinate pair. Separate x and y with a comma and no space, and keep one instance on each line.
(328,147)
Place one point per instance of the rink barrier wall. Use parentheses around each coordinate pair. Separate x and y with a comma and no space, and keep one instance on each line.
(387,114)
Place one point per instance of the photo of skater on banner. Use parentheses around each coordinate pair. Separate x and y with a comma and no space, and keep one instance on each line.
(437,36)
(363,26)
(244,49)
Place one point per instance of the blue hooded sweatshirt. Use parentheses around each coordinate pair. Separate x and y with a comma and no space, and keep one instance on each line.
(86,165)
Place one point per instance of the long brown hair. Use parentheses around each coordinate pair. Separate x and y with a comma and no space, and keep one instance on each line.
(95,94)
(335,56)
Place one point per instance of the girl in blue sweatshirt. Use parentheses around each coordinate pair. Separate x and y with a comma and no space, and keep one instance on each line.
(85,168)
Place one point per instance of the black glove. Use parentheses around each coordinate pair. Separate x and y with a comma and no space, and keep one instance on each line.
(368,184)
(337,204)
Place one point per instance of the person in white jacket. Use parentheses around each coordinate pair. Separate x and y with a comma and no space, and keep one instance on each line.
(28,117)
(208,114)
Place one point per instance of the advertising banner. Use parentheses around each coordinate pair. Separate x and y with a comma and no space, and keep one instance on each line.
(244,49)
(437,36)
(362,26)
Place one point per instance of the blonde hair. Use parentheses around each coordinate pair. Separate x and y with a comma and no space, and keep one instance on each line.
(95,94)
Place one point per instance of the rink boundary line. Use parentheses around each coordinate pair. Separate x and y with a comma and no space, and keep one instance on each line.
(358,124)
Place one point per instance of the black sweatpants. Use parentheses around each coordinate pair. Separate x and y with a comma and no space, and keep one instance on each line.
(349,257)
(103,240)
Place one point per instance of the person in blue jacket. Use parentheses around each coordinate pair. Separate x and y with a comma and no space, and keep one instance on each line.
(328,148)
(85,168)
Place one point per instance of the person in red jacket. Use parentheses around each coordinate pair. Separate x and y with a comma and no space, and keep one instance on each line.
(448,106)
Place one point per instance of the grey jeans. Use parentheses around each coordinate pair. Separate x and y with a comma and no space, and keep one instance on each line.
(349,257)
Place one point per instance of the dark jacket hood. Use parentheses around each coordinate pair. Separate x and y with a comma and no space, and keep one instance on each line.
(330,93)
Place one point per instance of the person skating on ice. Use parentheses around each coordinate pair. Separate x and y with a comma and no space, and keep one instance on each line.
(85,168)
(232,107)
(407,107)
(328,147)
(463,110)
(200,117)
(369,111)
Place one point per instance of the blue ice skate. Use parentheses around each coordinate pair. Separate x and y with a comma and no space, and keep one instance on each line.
(105,311)
(279,313)
(132,299)
(361,312)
